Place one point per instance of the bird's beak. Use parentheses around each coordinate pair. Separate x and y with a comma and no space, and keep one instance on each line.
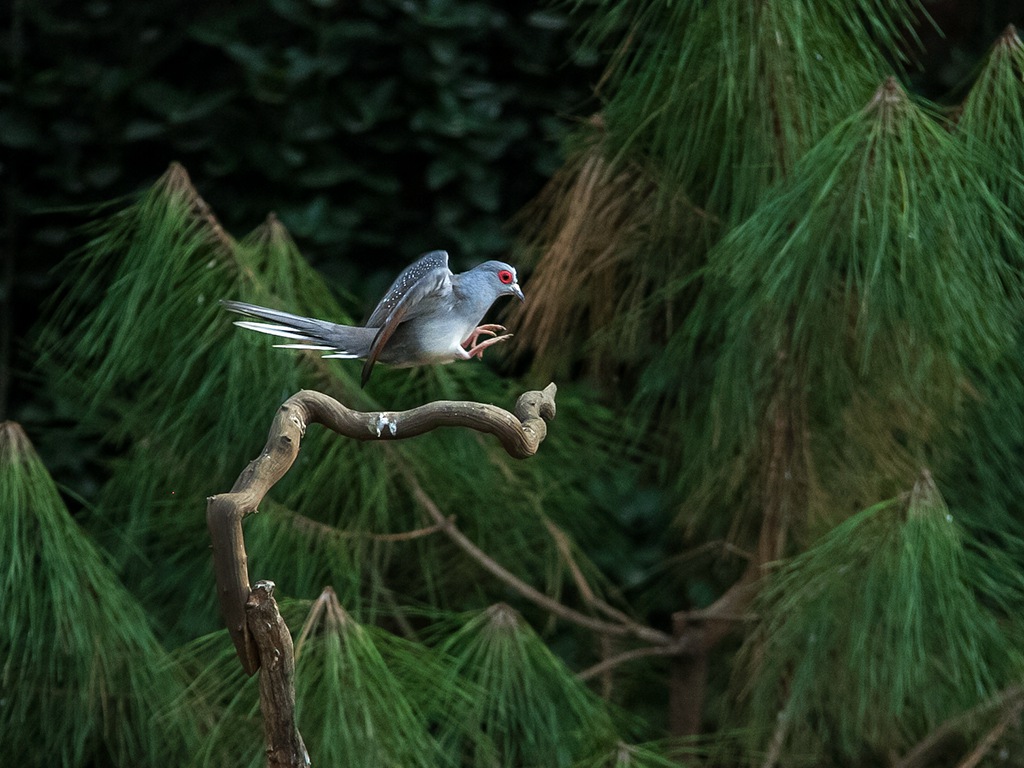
(518,292)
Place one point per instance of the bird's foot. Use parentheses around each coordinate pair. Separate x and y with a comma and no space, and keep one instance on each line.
(491,329)
(477,350)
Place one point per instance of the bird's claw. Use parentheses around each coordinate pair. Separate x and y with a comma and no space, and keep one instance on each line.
(477,350)
(490,329)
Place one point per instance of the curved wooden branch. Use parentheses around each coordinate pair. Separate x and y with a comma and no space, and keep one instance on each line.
(520,433)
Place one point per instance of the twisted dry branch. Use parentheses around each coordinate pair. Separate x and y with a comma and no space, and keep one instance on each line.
(520,433)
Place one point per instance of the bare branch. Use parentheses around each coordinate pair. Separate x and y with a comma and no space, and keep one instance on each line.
(520,434)
(316,527)
(1011,713)
(285,748)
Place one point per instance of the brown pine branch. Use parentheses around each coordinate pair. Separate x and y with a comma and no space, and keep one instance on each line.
(307,524)
(937,743)
(622,628)
(631,655)
(992,737)
(586,591)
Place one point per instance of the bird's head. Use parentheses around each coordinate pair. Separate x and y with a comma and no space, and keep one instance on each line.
(501,277)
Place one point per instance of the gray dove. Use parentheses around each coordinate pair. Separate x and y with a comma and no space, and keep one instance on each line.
(427,316)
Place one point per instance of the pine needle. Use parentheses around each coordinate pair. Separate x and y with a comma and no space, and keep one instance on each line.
(602,250)
(507,701)
(723,98)
(83,678)
(855,287)
(350,706)
(876,634)
(992,119)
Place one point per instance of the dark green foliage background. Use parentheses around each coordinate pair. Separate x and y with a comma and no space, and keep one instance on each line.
(364,125)
(374,129)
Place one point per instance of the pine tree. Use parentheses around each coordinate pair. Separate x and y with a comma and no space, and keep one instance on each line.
(776,521)
(84,679)
(817,303)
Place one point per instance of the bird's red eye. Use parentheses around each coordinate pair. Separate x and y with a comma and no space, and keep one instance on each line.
(506,277)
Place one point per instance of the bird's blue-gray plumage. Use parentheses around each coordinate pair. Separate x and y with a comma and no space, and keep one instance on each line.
(424,318)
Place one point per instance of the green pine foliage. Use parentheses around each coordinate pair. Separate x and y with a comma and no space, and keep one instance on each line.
(876,634)
(139,342)
(139,306)
(83,678)
(490,693)
(987,479)
(508,701)
(219,686)
(838,304)
(860,230)
(859,233)
(352,707)
(992,116)
(354,696)
(721,99)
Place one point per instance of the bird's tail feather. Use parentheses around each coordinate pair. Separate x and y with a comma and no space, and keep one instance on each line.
(343,341)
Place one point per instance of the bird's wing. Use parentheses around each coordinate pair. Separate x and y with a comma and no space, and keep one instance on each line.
(406,282)
(426,278)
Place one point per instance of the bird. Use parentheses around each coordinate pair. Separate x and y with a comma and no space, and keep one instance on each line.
(428,316)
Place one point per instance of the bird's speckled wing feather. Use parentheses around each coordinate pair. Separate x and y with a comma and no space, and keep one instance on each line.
(407,282)
(427,276)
